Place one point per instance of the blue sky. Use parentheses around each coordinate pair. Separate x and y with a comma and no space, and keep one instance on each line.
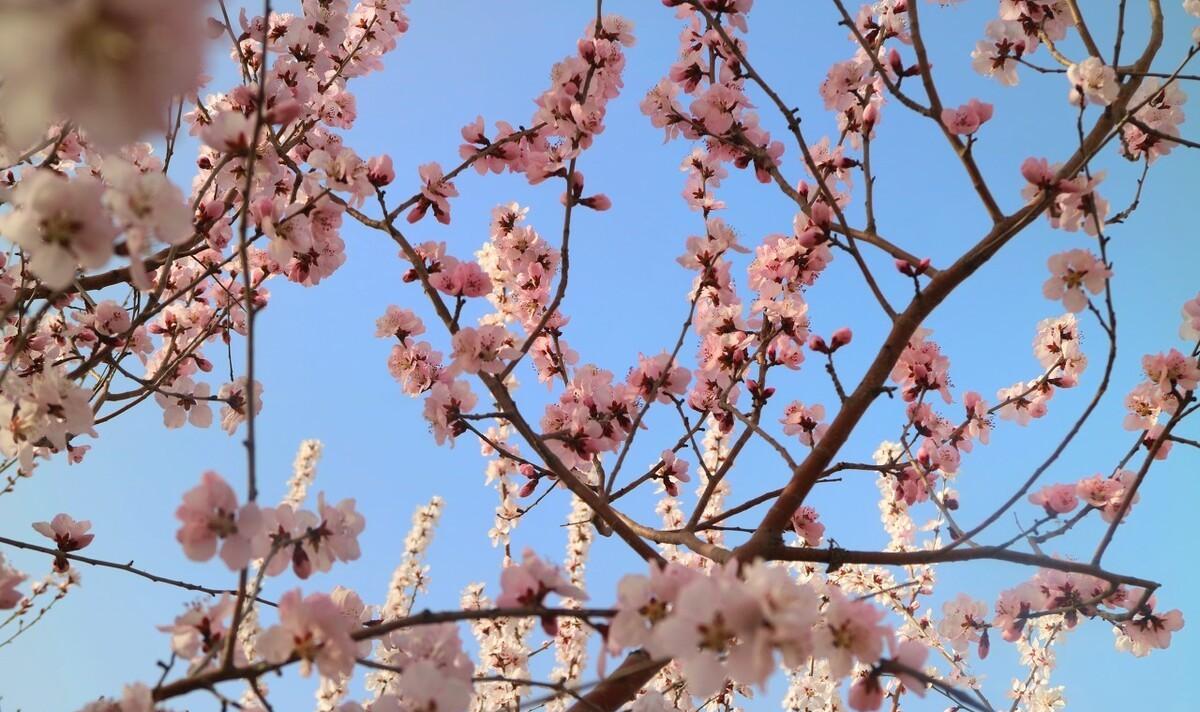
(325,375)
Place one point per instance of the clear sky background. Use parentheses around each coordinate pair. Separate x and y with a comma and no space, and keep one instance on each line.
(325,375)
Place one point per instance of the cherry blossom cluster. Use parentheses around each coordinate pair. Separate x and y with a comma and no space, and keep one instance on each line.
(212,520)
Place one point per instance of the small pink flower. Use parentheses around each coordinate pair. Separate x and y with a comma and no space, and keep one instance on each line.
(461,279)
(805,521)
(443,406)
(1092,81)
(229,132)
(210,514)
(434,194)
(852,631)
(184,401)
(10,578)
(110,319)
(672,472)
(1148,630)
(68,535)
(486,349)
(201,630)
(1023,402)
(805,422)
(314,629)
(526,585)
(644,601)
(398,323)
(1056,499)
(235,407)
(379,171)
(964,620)
(967,119)
(659,377)
(60,224)
(1189,330)
(1171,372)
(1012,607)
(1071,273)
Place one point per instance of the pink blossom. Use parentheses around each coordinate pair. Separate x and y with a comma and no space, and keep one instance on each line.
(1079,205)
(417,367)
(1189,330)
(526,585)
(398,323)
(840,338)
(379,171)
(1012,607)
(1160,110)
(851,632)
(210,513)
(234,408)
(1148,630)
(486,349)
(1171,372)
(997,55)
(711,632)
(201,630)
(10,578)
(922,368)
(1071,273)
(110,318)
(979,424)
(1056,499)
(68,535)
(963,621)
(313,629)
(229,132)
(1153,437)
(434,194)
(1144,403)
(1092,81)
(1022,402)
(672,472)
(60,225)
(184,401)
(659,377)
(461,279)
(1108,493)
(644,601)
(147,207)
(789,615)
(443,406)
(1057,347)
(805,521)
(967,119)
(337,536)
(804,421)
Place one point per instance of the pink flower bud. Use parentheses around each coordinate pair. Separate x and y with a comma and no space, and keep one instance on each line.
(840,338)
(379,171)
(599,202)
